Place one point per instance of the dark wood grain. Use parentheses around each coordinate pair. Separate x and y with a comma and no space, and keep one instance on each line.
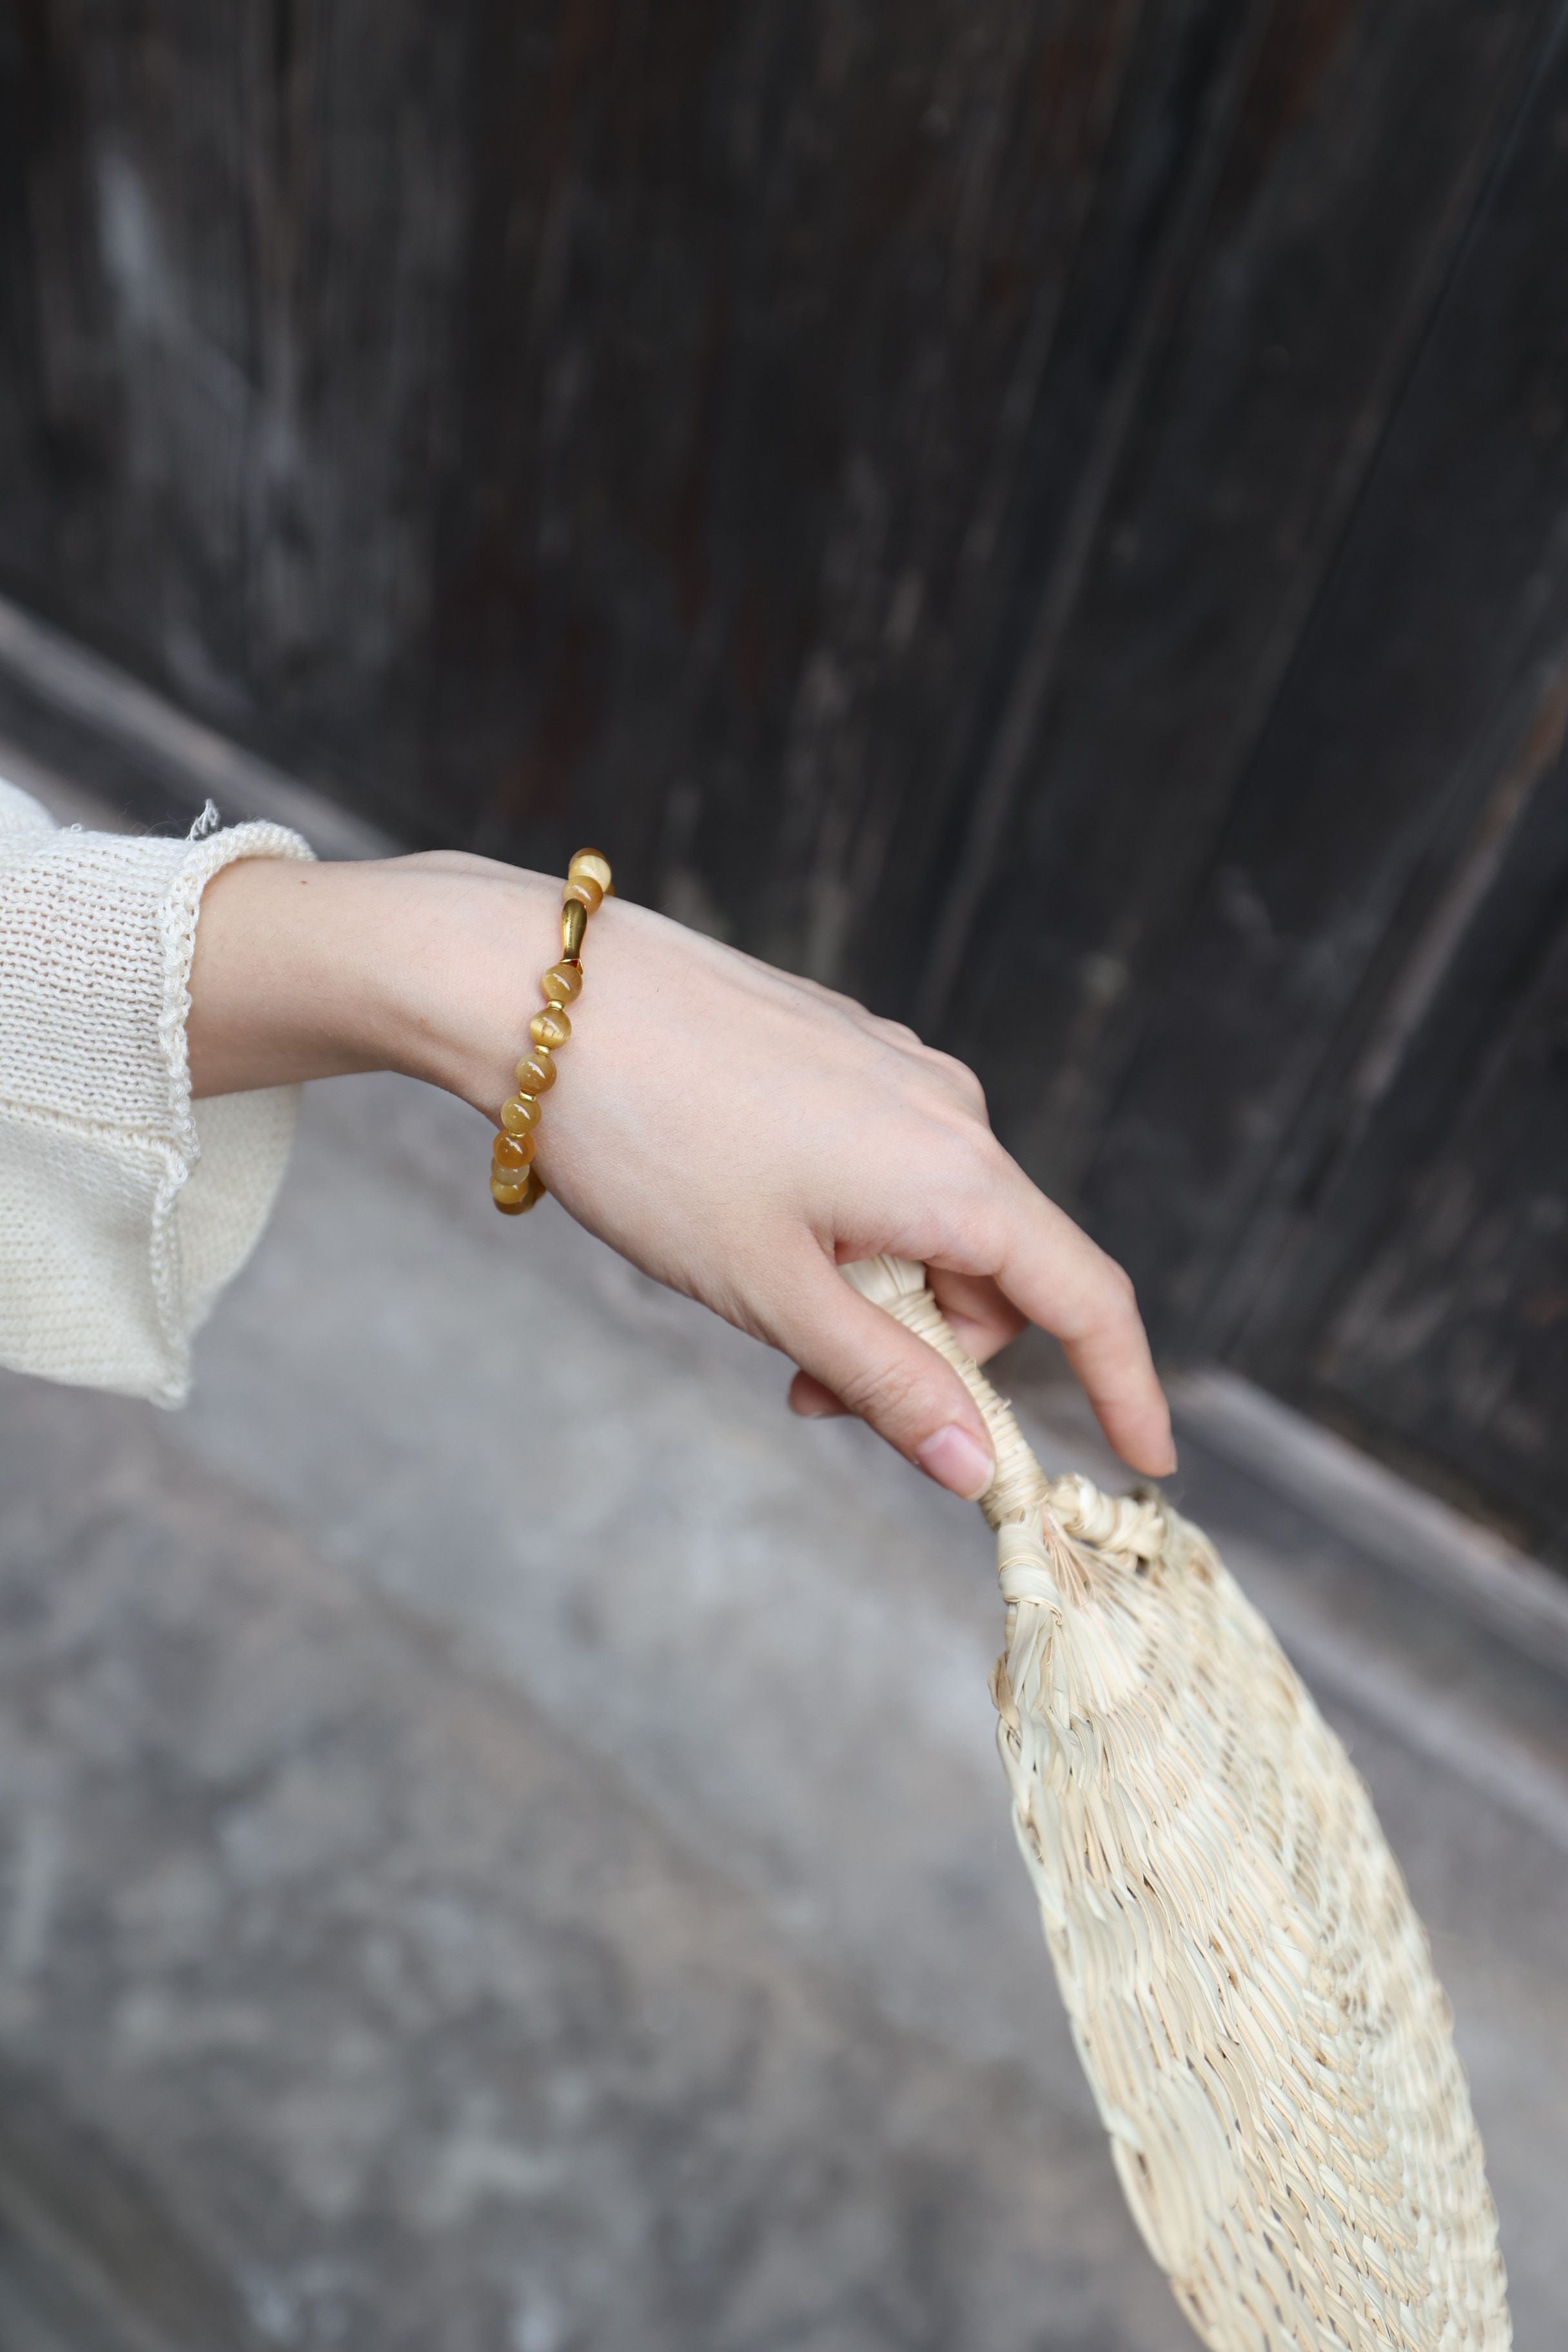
(1443,620)
(1046,513)
(1452,1342)
(231,259)
(1325,253)
(759,337)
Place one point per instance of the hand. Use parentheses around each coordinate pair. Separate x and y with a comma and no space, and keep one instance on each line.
(734,1131)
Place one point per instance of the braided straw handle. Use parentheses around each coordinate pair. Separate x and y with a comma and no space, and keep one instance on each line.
(1131,1525)
(1247,1983)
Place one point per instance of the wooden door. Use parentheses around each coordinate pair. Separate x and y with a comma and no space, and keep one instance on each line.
(1050,514)
(1340,1152)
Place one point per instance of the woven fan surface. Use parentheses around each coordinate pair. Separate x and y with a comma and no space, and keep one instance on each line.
(1248,1985)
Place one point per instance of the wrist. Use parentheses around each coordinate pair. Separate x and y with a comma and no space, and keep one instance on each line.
(450,994)
(315,971)
(427,965)
(283,977)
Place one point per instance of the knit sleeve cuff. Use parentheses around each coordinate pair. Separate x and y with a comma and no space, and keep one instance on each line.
(128,1206)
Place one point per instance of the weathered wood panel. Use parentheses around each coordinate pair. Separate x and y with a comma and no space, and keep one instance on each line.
(232,261)
(1453,1340)
(1322,253)
(1433,653)
(1451,977)
(1046,512)
(764,297)
(508,409)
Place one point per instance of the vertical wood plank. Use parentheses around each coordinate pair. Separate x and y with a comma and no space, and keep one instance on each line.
(232,242)
(1445,620)
(1326,248)
(1452,1342)
(760,301)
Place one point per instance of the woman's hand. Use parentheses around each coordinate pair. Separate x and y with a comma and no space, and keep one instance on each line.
(735,1132)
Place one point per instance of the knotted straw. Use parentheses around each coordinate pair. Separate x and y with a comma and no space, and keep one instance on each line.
(1250,1990)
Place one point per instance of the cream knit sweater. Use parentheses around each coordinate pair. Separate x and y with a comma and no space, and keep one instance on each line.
(124,1207)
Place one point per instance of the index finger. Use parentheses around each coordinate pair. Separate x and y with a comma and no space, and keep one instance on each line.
(1064,1282)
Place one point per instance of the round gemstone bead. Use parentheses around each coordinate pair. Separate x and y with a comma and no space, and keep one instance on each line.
(562,982)
(588,866)
(510,1193)
(513,1151)
(536,1072)
(549,1027)
(585,891)
(520,1113)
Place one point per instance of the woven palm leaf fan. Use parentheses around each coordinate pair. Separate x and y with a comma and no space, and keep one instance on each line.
(1249,1988)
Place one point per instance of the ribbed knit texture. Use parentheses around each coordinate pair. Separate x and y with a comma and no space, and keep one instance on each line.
(124,1207)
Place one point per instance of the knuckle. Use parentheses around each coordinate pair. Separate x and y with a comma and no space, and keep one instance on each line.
(1119,1296)
(963,1163)
(1105,1307)
(962,1081)
(887,1394)
(1123,1286)
(896,1032)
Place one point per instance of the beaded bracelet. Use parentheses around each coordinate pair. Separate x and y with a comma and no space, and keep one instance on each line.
(515,1182)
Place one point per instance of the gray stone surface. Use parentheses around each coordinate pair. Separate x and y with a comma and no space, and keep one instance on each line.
(501,1844)
(409,2019)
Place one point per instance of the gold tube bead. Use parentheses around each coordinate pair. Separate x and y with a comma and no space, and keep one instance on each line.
(549,1027)
(536,1072)
(562,982)
(592,866)
(585,891)
(574,923)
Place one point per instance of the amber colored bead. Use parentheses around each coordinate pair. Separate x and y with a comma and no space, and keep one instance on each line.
(536,1072)
(519,1114)
(590,865)
(562,982)
(512,1199)
(549,1027)
(585,891)
(574,923)
(514,1151)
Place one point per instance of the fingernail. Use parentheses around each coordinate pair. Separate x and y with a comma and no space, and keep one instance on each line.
(957,1461)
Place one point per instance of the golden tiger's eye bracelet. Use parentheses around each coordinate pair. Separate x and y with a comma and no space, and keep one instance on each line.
(515,1182)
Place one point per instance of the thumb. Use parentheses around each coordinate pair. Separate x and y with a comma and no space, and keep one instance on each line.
(893,1381)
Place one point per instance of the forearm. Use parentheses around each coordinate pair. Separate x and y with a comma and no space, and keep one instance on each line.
(732,1131)
(312,971)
